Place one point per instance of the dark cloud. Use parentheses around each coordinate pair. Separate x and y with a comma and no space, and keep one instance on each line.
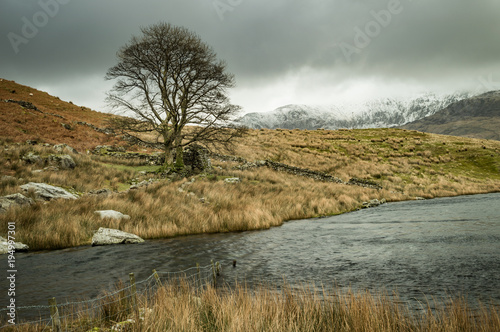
(268,45)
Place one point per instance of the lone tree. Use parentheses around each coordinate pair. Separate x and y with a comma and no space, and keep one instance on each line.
(174,91)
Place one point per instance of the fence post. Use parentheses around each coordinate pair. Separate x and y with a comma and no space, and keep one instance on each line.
(157,277)
(198,274)
(54,315)
(213,273)
(217,268)
(133,291)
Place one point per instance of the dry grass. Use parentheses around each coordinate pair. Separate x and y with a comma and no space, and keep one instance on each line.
(18,124)
(437,166)
(181,308)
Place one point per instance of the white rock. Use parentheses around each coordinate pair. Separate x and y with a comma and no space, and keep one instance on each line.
(4,246)
(47,192)
(112,214)
(107,236)
(232,180)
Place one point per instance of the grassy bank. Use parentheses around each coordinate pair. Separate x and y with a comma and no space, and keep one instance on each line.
(406,164)
(182,308)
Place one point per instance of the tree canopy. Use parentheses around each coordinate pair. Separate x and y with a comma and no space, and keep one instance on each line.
(166,79)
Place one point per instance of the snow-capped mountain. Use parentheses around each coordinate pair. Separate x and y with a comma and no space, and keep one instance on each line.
(379,113)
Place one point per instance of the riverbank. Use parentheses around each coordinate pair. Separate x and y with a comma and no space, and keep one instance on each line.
(405,164)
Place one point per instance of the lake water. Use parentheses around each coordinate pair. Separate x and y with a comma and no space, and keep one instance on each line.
(423,249)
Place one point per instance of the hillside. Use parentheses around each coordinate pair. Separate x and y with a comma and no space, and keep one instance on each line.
(30,114)
(379,113)
(477,117)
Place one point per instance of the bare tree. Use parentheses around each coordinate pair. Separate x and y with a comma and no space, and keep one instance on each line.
(172,84)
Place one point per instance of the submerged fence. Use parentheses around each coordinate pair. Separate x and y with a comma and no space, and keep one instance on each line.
(115,305)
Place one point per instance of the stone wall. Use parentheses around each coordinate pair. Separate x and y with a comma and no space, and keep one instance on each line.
(280,167)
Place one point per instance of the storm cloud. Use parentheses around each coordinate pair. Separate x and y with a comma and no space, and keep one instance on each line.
(281,52)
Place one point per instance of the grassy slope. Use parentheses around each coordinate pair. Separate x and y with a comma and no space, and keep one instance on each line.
(18,124)
(406,163)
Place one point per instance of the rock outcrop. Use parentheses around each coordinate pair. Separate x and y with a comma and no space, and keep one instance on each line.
(63,161)
(9,201)
(18,246)
(108,236)
(47,192)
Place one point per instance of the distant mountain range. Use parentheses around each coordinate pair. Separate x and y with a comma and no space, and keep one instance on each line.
(477,117)
(380,113)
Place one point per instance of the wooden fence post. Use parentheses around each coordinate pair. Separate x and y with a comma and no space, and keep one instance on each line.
(198,274)
(157,277)
(214,275)
(217,269)
(133,291)
(54,315)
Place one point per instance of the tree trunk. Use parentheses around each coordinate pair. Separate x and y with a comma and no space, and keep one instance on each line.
(168,156)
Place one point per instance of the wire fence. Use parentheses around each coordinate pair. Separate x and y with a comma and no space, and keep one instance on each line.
(115,305)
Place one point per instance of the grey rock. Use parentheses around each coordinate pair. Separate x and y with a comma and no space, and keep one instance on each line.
(18,246)
(9,201)
(232,180)
(32,158)
(112,214)
(100,192)
(64,161)
(144,183)
(107,236)
(47,192)
(65,148)
(374,203)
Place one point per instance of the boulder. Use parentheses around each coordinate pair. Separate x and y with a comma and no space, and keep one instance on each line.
(14,200)
(232,180)
(374,203)
(112,214)
(18,246)
(100,192)
(64,161)
(32,158)
(107,236)
(47,192)
(64,148)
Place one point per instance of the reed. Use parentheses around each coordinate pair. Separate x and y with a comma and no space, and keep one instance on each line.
(179,307)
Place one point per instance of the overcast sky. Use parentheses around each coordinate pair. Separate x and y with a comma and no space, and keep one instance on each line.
(281,52)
